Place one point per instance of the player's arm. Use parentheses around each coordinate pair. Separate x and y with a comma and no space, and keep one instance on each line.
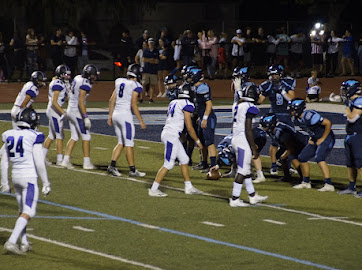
(327,129)
(261,99)
(206,114)
(55,104)
(135,109)
(4,168)
(190,129)
(39,162)
(288,95)
(354,115)
(111,103)
(249,134)
(25,101)
(83,109)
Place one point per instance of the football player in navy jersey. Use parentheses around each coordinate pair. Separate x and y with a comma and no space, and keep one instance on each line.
(320,144)
(23,149)
(279,90)
(240,80)
(351,96)
(291,142)
(207,117)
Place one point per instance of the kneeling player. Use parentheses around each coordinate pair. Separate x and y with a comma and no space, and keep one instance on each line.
(178,115)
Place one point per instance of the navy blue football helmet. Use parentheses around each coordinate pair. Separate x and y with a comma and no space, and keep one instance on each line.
(184,91)
(27,118)
(63,72)
(135,71)
(349,88)
(226,156)
(170,79)
(38,78)
(235,72)
(298,105)
(196,75)
(275,70)
(90,72)
(269,122)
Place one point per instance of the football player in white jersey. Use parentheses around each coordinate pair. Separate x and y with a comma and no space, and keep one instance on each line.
(121,104)
(178,115)
(28,94)
(58,91)
(79,122)
(244,146)
(23,148)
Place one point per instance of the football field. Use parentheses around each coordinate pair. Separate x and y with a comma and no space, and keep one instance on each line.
(92,220)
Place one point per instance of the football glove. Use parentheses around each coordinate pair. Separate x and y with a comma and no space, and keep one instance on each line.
(87,123)
(5,188)
(237,84)
(46,190)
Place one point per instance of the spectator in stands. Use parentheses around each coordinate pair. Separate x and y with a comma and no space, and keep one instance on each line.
(17,48)
(56,51)
(176,45)
(199,52)
(282,49)
(188,46)
(209,44)
(248,47)
(313,88)
(83,52)
(317,52)
(332,54)
(165,36)
(221,59)
(260,57)
(296,49)
(31,42)
(70,51)
(237,49)
(125,51)
(348,53)
(142,39)
(4,65)
(42,52)
(149,77)
(360,54)
(163,67)
(271,49)
(138,58)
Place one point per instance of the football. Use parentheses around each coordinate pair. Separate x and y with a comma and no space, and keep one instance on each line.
(213,175)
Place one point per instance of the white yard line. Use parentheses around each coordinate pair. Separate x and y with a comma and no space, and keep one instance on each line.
(108,256)
(80,228)
(274,221)
(100,148)
(212,224)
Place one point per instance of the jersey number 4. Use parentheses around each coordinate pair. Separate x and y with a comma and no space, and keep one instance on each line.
(18,148)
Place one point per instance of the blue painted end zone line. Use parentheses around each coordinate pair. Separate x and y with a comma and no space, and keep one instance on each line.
(206,239)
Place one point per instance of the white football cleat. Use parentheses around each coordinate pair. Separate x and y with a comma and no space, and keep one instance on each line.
(89,166)
(113,171)
(137,173)
(47,162)
(327,187)
(303,185)
(192,191)
(257,199)
(59,163)
(293,171)
(259,180)
(13,248)
(156,193)
(5,188)
(67,165)
(274,171)
(25,247)
(237,203)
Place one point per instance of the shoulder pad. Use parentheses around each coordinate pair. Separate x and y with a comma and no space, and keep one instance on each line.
(265,86)
(357,103)
(203,89)
(289,81)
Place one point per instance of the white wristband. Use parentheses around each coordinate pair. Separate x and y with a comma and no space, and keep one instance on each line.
(205,117)
(198,141)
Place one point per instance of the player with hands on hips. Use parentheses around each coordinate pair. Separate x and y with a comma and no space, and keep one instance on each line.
(23,149)
(78,119)
(121,104)
(58,92)
(350,92)
(244,146)
(178,115)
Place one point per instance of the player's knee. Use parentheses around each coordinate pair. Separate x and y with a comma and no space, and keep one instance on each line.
(51,136)
(29,214)
(184,160)
(129,144)
(74,137)
(86,137)
(169,165)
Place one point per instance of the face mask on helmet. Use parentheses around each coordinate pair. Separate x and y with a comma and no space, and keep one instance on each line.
(296,107)
(268,122)
(27,118)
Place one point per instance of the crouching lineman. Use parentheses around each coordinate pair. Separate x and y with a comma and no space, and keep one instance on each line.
(178,115)
(291,142)
(320,143)
(121,104)
(24,150)
(351,96)
(58,91)
(244,146)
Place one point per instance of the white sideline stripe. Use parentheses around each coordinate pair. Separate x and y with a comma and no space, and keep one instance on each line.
(315,218)
(100,148)
(274,221)
(213,224)
(148,226)
(83,229)
(144,147)
(112,257)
